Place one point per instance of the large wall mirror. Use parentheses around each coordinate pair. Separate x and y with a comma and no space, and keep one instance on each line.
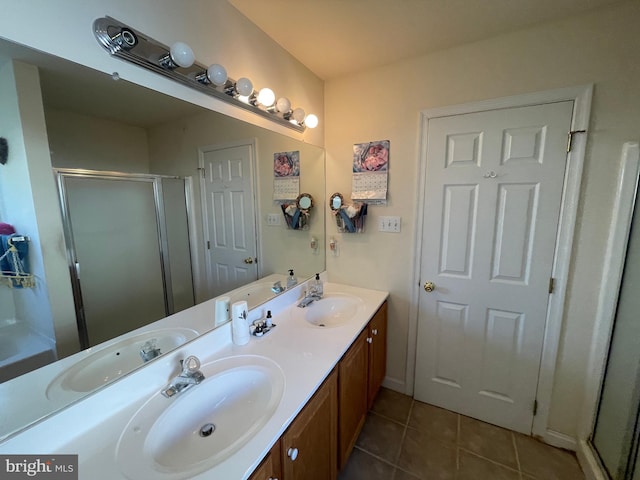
(119,150)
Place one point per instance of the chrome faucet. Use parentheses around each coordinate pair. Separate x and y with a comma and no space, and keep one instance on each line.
(277,287)
(190,376)
(149,350)
(311,296)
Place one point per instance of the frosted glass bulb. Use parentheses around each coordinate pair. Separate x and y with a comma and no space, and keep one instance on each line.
(266,97)
(298,115)
(283,104)
(311,121)
(182,55)
(244,86)
(217,74)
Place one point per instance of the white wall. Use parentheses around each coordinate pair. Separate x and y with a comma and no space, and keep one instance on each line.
(600,47)
(30,205)
(15,169)
(81,141)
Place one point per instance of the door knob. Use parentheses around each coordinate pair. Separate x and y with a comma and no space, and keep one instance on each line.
(429,287)
(292,453)
(248,260)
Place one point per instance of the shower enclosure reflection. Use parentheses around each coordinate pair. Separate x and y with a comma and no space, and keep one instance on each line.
(128,245)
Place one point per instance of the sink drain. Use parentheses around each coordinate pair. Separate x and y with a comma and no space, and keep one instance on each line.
(207,429)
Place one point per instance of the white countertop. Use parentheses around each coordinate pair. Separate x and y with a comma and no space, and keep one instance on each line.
(306,354)
(24,399)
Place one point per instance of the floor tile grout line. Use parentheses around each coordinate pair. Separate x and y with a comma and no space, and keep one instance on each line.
(515,449)
(395,471)
(377,457)
(458,449)
(394,420)
(489,460)
(404,425)
(408,472)
(395,466)
(404,433)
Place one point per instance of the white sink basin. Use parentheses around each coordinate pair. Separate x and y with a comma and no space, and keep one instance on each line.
(178,437)
(333,310)
(109,363)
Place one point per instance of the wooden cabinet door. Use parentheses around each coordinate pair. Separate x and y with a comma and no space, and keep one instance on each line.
(271,466)
(310,444)
(377,352)
(352,396)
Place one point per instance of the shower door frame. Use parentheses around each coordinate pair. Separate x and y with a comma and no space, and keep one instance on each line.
(626,191)
(61,174)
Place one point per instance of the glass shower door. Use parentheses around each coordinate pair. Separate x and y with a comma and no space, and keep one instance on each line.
(615,436)
(174,206)
(116,240)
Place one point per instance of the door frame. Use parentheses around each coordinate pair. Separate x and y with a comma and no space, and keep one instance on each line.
(581,96)
(252,143)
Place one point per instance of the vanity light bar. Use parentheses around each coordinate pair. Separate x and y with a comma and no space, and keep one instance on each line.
(126,43)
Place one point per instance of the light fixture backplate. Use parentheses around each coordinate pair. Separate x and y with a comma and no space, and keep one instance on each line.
(147,52)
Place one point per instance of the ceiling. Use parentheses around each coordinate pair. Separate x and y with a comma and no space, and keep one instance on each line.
(360,34)
(334,38)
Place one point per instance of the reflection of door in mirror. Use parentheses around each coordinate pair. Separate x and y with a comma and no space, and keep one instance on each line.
(229,216)
(118,243)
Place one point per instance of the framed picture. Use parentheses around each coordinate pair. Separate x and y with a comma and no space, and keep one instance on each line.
(286,164)
(371,156)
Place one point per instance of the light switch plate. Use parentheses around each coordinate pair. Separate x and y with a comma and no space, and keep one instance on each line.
(273,219)
(389,224)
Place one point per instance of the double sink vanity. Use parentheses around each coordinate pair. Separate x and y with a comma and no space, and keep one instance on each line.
(288,405)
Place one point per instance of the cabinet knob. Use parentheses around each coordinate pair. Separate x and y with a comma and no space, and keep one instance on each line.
(272,478)
(374,331)
(369,340)
(292,453)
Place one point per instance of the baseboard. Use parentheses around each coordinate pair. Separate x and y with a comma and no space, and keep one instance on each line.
(560,440)
(394,384)
(589,462)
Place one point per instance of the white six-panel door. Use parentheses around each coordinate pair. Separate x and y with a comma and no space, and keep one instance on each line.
(492,202)
(229,211)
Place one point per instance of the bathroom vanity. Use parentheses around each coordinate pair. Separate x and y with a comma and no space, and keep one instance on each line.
(320,439)
(288,405)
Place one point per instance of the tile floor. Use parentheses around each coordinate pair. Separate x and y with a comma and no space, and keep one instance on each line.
(404,439)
